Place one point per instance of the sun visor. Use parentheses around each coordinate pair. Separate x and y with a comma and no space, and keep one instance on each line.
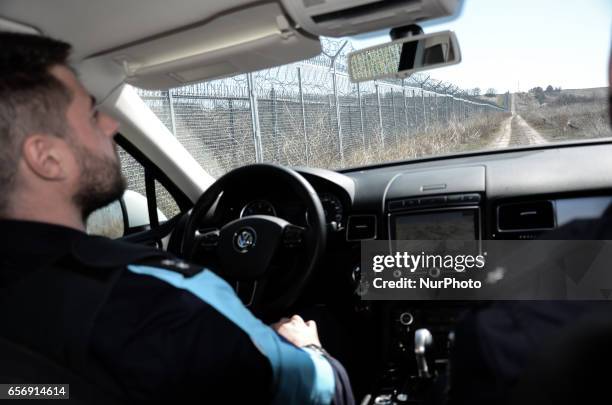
(337,18)
(238,42)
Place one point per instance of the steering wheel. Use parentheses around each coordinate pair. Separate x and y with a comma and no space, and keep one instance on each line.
(246,248)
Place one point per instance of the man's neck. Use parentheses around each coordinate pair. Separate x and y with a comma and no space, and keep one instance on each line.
(47,212)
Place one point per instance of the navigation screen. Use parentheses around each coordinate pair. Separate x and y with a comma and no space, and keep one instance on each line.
(439,225)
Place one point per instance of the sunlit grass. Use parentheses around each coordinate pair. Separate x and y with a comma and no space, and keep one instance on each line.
(438,139)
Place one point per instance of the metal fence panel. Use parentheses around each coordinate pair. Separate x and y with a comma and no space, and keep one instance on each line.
(306,113)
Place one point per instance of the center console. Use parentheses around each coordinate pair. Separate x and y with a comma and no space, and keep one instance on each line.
(446,205)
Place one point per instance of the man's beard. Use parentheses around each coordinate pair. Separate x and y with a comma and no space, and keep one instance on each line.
(101,181)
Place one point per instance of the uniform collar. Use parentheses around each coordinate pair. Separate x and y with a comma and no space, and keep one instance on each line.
(40,239)
(27,246)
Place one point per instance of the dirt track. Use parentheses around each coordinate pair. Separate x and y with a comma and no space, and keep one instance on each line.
(515,131)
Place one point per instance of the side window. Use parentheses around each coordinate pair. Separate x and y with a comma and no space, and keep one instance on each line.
(131,214)
(107,221)
(165,202)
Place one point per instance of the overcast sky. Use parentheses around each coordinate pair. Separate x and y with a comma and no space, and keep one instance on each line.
(535,42)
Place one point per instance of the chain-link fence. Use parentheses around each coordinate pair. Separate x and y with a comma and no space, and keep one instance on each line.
(306,113)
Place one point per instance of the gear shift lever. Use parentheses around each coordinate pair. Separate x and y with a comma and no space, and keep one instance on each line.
(422,340)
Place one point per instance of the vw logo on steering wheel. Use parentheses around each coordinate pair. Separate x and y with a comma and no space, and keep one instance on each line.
(244,239)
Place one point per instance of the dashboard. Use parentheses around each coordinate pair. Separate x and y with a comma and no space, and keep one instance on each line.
(513,194)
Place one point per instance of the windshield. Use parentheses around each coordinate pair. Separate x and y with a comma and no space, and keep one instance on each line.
(531,74)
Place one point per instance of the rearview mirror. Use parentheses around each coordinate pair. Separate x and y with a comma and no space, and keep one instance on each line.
(402,57)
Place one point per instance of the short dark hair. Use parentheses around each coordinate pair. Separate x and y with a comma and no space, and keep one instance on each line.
(32,100)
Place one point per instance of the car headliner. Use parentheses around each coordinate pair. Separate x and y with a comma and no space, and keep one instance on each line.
(95,27)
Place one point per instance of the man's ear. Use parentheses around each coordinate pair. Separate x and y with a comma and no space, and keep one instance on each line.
(45,155)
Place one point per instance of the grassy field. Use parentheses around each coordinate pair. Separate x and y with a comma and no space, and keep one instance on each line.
(472,134)
(567,114)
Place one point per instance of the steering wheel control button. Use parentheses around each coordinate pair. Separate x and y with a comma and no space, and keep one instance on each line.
(209,239)
(293,236)
(245,239)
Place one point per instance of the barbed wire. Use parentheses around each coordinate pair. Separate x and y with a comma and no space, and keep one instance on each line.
(305,112)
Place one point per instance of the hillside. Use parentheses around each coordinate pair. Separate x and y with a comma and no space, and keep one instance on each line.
(566,114)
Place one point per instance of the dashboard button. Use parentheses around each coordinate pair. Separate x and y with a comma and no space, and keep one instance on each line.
(471,197)
(433,200)
(406,318)
(396,205)
(455,198)
(412,202)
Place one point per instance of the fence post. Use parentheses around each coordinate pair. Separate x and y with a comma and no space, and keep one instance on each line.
(394,118)
(339,124)
(414,107)
(457,109)
(423,103)
(361,116)
(172,119)
(255,119)
(445,108)
(436,107)
(405,107)
(232,122)
(380,122)
(329,111)
(299,72)
(275,123)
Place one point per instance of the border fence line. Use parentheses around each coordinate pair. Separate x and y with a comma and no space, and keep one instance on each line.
(294,113)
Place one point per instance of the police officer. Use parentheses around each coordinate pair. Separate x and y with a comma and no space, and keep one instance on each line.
(118,321)
(498,345)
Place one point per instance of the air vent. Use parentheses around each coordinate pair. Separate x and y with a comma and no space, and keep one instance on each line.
(361,227)
(523,216)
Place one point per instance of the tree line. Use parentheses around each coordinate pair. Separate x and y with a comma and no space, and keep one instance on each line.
(540,94)
(491,92)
